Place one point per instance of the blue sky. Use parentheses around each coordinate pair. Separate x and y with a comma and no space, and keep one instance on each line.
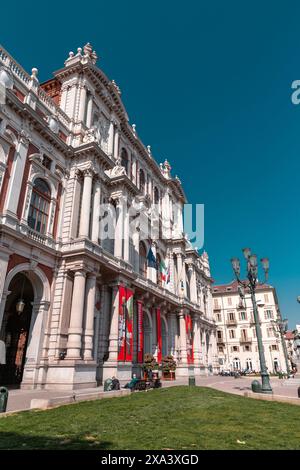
(208,85)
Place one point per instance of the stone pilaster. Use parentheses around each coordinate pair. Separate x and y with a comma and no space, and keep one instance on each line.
(86,203)
(89,317)
(75,330)
(96,210)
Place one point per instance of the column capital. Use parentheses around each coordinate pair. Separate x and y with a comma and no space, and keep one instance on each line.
(88,172)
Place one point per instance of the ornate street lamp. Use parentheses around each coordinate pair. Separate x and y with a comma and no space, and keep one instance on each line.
(252,274)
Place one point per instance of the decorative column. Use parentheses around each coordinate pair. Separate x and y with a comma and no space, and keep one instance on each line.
(35,343)
(86,203)
(15,181)
(82,102)
(111,138)
(118,249)
(126,233)
(116,142)
(89,318)
(89,113)
(75,329)
(182,332)
(96,211)
(197,340)
(114,327)
(4,257)
(193,284)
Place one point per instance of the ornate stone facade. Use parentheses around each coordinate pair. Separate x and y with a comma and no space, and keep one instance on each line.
(66,149)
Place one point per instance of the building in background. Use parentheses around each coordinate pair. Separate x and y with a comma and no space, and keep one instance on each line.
(236,335)
(76,307)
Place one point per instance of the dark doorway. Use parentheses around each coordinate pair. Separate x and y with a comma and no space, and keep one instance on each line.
(15,329)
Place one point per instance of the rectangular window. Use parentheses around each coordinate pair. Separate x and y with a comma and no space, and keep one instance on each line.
(231,316)
(219,333)
(229,301)
(268,314)
(270,332)
(274,347)
(235,349)
(254,332)
(243,316)
(219,317)
(216,303)
(231,334)
(244,335)
(266,298)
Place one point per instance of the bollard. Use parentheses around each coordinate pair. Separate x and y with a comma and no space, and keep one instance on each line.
(3,399)
(192,381)
(298,392)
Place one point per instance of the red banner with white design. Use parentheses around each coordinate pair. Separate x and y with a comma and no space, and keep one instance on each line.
(158,333)
(189,339)
(125,338)
(140,349)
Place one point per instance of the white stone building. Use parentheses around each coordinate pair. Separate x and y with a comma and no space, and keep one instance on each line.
(76,308)
(236,335)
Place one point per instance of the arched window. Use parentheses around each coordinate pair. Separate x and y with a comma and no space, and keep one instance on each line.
(142,181)
(39,206)
(156,196)
(143,259)
(124,159)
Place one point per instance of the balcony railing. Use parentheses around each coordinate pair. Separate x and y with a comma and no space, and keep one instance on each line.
(231,322)
(245,340)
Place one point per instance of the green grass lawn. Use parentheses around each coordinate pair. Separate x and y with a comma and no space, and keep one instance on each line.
(169,418)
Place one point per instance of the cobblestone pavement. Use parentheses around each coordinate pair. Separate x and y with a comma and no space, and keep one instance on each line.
(20,399)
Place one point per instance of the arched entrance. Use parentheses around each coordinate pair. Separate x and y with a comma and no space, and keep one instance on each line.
(15,328)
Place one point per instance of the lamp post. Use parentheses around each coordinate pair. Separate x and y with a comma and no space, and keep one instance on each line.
(252,273)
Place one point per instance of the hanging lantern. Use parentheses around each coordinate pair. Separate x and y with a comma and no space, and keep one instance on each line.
(20,306)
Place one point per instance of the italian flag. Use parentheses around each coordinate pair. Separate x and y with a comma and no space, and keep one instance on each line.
(163,270)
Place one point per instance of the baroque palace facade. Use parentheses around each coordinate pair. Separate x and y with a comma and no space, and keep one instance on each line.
(236,334)
(77,307)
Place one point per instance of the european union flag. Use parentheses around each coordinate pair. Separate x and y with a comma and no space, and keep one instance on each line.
(151,259)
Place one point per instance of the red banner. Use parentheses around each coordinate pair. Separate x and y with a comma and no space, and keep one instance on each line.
(125,338)
(158,335)
(189,339)
(140,349)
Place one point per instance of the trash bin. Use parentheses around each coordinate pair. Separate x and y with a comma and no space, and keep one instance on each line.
(3,399)
(256,386)
(192,381)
